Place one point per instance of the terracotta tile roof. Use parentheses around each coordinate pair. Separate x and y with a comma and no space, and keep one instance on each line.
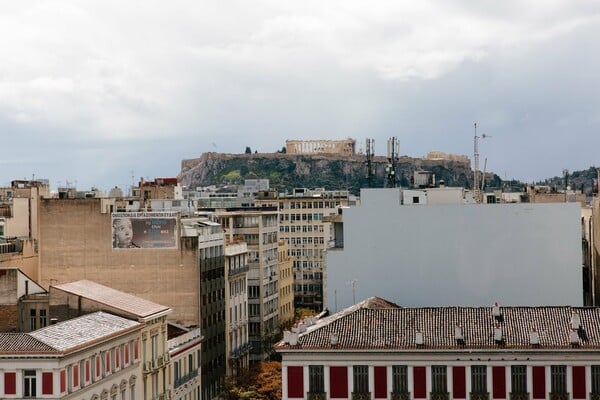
(83,330)
(360,327)
(22,343)
(113,298)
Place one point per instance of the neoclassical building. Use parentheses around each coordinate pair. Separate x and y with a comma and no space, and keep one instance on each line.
(377,350)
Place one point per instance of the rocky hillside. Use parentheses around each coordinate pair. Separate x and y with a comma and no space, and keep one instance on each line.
(287,171)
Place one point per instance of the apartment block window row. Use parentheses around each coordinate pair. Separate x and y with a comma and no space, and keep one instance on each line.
(443,381)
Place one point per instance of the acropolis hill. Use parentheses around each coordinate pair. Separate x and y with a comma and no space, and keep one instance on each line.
(328,168)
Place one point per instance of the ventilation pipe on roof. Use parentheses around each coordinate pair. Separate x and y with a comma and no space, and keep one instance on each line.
(418,337)
(534,336)
(575,320)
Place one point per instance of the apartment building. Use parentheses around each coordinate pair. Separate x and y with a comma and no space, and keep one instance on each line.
(258,228)
(94,356)
(302,225)
(286,283)
(186,360)
(377,350)
(210,245)
(236,293)
(71,300)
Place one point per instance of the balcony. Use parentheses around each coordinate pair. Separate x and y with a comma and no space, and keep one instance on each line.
(361,395)
(559,396)
(186,378)
(594,396)
(520,396)
(400,396)
(479,396)
(240,351)
(316,396)
(439,396)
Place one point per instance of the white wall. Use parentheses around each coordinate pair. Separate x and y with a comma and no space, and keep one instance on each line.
(516,254)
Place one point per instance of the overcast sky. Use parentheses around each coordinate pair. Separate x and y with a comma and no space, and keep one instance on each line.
(93,91)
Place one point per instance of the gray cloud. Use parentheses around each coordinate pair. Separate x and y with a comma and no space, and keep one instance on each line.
(113,88)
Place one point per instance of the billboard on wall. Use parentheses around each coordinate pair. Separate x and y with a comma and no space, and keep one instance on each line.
(144,230)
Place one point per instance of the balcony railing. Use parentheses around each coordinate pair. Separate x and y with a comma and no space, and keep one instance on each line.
(316,396)
(520,396)
(439,396)
(479,396)
(185,378)
(400,396)
(240,351)
(559,396)
(594,396)
(361,395)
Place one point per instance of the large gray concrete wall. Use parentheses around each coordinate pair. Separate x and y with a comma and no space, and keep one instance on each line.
(516,254)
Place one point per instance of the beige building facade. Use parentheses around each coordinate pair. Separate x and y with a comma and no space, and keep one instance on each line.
(286,284)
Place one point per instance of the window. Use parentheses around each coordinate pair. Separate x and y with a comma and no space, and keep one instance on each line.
(595,379)
(29,383)
(518,379)
(316,380)
(399,379)
(32,319)
(479,379)
(558,379)
(415,199)
(439,383)
(360,375)
(43,318)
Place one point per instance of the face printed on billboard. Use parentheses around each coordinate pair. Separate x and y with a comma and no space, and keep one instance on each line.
(145,230)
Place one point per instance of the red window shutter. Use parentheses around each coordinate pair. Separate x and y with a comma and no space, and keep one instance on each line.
(539,382)
(499,382)
(579,391)
(10,383)
(107,359)
(459,383)
(63,381)
(87,370)
(97,366)
(126,354)
(380,382)
(47,378)
(338,382)
(420,382)
(136,350)
(75,375)
(117,356)
(295,378)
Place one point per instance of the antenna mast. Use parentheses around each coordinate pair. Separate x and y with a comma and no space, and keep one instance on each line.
(370,154)
(393,149)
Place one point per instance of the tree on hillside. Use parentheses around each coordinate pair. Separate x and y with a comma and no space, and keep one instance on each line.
(248,150)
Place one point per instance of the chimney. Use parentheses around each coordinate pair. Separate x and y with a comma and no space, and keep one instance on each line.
(534,337)
(574,337)
(293,339)
(333,339)
(286,336)
(458,333)
(497,333)
(419,338)
(496,313)
(575,320)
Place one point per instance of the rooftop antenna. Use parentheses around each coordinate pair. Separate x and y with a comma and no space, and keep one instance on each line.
(476,191)
(393,149)
(370,154)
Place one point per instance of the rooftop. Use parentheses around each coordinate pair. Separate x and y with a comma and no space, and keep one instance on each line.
(371,326)
(66,336)
(116,299)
